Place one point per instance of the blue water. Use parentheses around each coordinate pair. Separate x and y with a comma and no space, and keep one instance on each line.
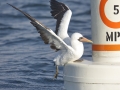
(25,61)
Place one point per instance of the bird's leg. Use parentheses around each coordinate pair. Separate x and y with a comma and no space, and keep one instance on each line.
(56,72)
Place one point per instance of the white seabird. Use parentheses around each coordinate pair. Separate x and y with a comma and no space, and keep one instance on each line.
(71,50)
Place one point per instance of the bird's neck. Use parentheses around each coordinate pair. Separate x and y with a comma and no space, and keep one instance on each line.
(77,46)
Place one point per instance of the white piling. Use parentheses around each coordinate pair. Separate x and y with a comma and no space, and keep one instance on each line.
(106,30)
(103,73)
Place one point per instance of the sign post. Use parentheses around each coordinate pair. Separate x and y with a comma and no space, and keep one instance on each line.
(106,30)
(103,73)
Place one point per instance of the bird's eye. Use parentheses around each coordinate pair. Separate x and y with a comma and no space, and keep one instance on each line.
(81,38)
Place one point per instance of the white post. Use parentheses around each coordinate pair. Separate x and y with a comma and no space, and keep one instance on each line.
(106,30)
(103,73)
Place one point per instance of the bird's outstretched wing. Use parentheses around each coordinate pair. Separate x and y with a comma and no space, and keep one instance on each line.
(47,35)
(62,13)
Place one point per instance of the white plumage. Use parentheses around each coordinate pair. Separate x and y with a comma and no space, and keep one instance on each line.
(63,28)
(70,49)
(70,53)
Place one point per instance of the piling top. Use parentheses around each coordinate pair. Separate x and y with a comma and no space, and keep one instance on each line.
(92,72)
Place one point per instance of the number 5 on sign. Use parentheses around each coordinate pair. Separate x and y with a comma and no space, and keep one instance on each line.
(104,18)
(116,9)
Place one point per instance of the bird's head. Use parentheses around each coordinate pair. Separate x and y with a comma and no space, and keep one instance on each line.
(80,38)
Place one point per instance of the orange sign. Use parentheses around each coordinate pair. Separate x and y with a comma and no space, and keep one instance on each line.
(105,20)
(106,47)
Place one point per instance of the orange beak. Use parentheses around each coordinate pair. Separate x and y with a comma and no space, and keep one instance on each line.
(85,40)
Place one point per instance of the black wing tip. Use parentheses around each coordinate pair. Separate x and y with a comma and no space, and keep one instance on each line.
(9,4)
(12,5)
(26,14)
(15,7)
(58,8)
(57,3)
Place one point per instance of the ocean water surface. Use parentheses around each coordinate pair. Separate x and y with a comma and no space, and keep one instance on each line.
(26,63)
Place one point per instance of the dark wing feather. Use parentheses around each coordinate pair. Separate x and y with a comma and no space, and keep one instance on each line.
(58,10)
(47,35)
